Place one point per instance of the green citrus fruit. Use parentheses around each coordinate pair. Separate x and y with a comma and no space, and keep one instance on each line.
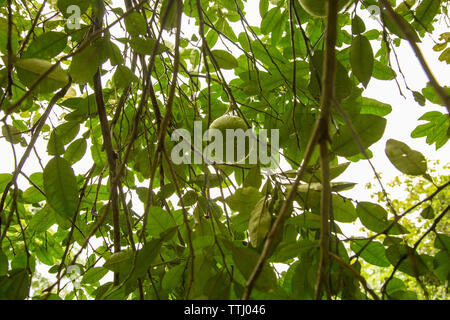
(228,122)
(234,123)
(317,8)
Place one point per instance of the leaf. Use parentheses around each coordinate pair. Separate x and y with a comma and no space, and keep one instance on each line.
(445,56)
(411,264)
(372,106)
(392,26)
(395,285)
(75,151)
(427,213)
(169,9)
(361,59)
(124,77)
(358,25)
(245,260)
(135,24)
(118,260)
(374,253)
(30,70)
(85,64)
(372,216)
(5,178)
(382,72)
(64,4)
(62,135)
(93,275)
(425,13)
(189,198)
(159,221)
(60,187)
(146,256)
(46,46)
(271,20)
(146,45)
(17,285)
(436,130)
(343,210)
(370,128)
(11,134)
(224,59)
(406,160)
(244,200)
(259,223)
(3,263)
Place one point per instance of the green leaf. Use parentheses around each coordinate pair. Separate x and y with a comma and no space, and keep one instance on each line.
(259,223)
(358,25)
(412,263)
(64,4)
(244,200)
(93,275)
(419,98)
(30,70)
(60,187)
(427,213)
(17,285)
(46,46)
(190,198)
(118,260)
(146,256)
(245,260)
(436,130)
(406,160)
(382,72)
(75,151)
(372,106)
(392,26)
(3,263)
(271,20)
(370,129)
(5,178)
(395,285)
(425,13)
(343,210)
(135,24)
(146,45)
(11,134)
(169,9)
(374,253)
(62,135)
(224,59)
(361,59)
(124,77)
(85,64)
(372,216)
(159,221)
(445,56)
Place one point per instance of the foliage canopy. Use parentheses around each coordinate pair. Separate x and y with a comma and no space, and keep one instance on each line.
(92,101)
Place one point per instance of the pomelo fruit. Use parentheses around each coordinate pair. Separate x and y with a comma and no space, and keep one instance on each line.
(317,8)
(224,123)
